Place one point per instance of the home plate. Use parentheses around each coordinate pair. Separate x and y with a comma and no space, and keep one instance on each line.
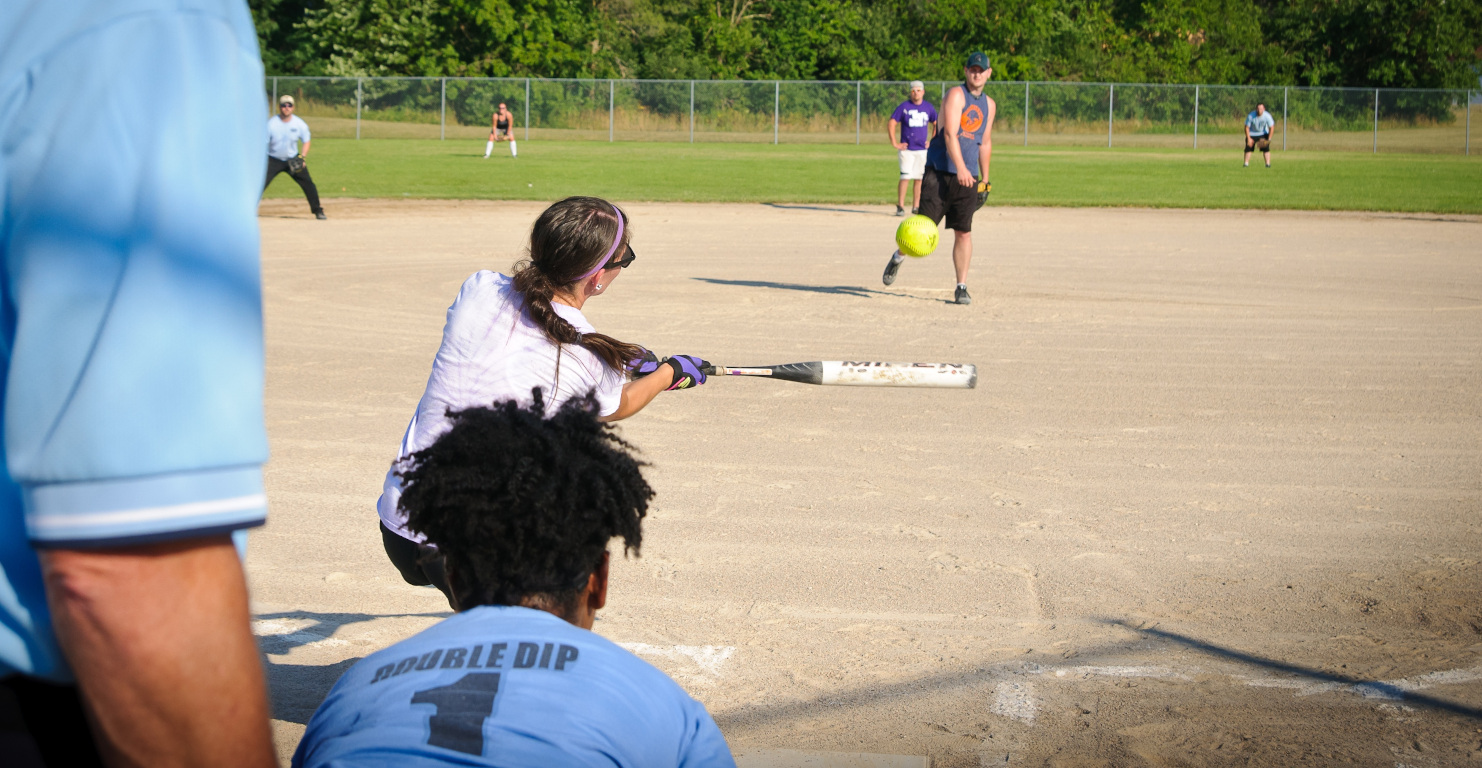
(793,758)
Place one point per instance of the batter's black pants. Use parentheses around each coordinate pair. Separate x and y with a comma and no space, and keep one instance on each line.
(42,726)
(305,182)
(419,564)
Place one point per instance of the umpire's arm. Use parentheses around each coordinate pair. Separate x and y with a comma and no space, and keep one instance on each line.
(133,406)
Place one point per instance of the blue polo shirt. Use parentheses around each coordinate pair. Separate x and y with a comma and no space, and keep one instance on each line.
(1260,125)
(509,687)
(284,137)
(130,305)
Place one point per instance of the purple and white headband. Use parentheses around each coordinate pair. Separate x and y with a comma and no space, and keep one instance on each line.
(617,241)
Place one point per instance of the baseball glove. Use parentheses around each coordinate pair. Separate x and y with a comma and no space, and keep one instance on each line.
(296,165)
(983,189)
(1264,145)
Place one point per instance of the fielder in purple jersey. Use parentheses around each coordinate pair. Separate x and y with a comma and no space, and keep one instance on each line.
(915,118)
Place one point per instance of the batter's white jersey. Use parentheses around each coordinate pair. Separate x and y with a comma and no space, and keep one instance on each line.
(492,352)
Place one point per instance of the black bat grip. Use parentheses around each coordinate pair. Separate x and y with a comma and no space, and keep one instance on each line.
(708,370)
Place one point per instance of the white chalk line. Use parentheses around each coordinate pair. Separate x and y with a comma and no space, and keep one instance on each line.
(709,658)
(293,633)
(1015,701)
(1019,700)
(1377,689)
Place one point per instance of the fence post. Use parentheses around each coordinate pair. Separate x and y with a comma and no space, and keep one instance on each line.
(1469,121)
(776,107)
(358,81)
(1376,121)
(1196,117)
(692,111)
(1026,113)
(857,88)
(1111,101)
(611,102)
(442,132)
(275,97)
(1284,93)
(527,109)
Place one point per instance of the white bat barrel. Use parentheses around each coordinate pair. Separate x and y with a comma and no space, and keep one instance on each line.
(871,374)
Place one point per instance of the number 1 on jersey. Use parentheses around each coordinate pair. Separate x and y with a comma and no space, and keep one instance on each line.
(462,708)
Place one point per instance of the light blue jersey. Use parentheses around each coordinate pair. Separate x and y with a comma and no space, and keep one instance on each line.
(1260,125)
(131,352)
(284,138)
(513,688)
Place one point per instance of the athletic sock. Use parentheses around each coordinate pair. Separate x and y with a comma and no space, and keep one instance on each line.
(962,286)
(488,149)
(513,152)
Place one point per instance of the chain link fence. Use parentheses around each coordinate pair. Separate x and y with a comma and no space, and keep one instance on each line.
(765,111)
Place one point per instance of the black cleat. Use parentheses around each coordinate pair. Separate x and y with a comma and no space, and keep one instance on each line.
(961,296)
(891,267)
(320,216)
(899,211)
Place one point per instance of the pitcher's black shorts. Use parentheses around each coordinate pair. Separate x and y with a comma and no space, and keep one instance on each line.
(942,196)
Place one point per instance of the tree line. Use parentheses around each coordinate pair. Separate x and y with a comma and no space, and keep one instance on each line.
(1368,43)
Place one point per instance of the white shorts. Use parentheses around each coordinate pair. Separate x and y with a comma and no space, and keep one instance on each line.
(913,164)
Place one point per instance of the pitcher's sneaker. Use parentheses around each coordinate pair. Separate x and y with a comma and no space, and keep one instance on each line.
(961,296)
(891,267)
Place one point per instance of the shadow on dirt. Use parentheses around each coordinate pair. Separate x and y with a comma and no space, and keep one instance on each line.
(296,690)
(1373,689)
(856,291)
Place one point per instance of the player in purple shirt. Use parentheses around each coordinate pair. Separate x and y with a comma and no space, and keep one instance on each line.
(915,117)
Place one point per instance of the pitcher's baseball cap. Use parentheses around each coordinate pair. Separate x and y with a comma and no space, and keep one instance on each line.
(285,100)
(977,59)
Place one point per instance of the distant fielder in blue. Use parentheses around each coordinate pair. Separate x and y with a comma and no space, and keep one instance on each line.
(521,508)
(1258,127)
(131,143)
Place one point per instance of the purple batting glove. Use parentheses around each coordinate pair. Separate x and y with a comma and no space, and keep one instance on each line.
(687,371)
(644,364)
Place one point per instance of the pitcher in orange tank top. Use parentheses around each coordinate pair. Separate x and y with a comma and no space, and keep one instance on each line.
(956,165)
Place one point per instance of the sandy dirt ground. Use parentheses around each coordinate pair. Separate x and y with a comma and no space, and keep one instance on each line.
(1215,499)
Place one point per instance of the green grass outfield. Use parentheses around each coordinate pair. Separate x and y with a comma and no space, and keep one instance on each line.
(826,173)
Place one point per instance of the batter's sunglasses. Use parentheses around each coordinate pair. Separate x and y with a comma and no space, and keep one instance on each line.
(623,262)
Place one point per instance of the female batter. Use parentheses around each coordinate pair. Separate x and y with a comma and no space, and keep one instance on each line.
(507,335)
(499,131)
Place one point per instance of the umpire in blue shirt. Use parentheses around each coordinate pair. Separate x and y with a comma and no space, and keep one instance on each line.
(288,146)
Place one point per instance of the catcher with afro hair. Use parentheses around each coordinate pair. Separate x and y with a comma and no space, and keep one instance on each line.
(520,508)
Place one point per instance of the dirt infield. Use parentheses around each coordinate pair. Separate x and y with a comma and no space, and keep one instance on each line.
(1214,501)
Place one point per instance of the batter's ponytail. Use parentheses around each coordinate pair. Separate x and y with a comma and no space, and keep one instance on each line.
(565,244)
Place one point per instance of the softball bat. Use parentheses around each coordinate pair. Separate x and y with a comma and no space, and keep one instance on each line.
(862,374)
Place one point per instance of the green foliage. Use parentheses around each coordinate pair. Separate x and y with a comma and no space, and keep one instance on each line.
(1389,43)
